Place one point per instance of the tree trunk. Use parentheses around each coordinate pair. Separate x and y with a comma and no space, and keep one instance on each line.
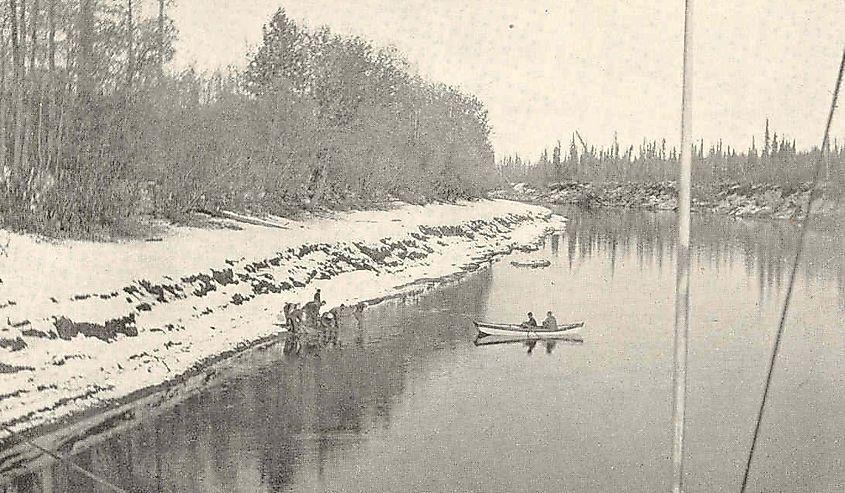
(86,49)
(31,86)
(51,36)
(160,39)
(4,168)
(51,81)
(18,42)
(33,29)
(60,129)
(130,42)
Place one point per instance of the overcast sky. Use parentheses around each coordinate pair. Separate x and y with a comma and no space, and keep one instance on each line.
(547,68)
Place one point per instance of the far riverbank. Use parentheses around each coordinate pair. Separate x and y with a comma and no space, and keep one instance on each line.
(764,201)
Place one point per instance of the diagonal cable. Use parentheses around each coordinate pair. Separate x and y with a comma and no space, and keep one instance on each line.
(804,227)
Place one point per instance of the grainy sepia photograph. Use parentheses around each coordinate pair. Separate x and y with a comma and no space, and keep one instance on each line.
(267,246)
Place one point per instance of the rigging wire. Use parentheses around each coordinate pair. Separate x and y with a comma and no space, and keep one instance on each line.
(804,227)
(67,462)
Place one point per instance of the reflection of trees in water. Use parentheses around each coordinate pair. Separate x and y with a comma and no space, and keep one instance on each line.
(765,248)
(262,426)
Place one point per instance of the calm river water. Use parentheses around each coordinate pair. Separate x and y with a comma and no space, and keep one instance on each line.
(408,403)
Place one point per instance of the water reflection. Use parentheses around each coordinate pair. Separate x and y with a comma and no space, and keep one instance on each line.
(549,343)
(765,248)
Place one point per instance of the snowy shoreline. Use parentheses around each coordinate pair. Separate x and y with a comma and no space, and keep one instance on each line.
(84,325)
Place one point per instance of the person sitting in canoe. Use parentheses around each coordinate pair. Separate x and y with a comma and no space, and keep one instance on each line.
(530,322)
(550,323)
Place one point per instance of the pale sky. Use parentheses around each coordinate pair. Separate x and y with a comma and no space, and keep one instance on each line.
(596,66)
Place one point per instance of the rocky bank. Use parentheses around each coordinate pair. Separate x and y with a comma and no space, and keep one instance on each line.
(735,199)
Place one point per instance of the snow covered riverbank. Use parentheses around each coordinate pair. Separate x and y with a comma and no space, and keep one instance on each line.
(83,324)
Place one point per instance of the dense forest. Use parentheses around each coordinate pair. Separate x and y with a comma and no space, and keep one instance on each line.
(98,134)
(773,160)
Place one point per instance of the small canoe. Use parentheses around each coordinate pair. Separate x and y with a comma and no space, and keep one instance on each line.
(527,332)
(534,264)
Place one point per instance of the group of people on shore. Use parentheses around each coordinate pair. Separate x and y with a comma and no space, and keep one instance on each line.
(308,317)
(308,327)
(550,323)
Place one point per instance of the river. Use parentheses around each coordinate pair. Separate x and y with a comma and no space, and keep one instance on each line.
(407,402)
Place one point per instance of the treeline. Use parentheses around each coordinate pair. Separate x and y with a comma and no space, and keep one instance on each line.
(775,160)
(373,128)
(96,133)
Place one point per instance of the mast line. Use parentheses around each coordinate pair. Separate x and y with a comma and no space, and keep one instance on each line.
(682,281)
(795,263)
